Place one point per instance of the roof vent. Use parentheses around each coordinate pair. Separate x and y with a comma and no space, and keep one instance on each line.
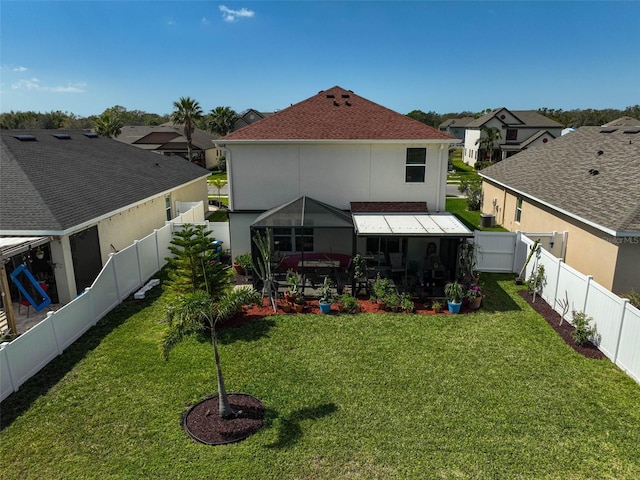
(347,103)
(593,172)
(62,136)
(633,130)
(346,95)
(330,95)
(26,138)
(600,152)
(91,135)
(336,103)
(608,130)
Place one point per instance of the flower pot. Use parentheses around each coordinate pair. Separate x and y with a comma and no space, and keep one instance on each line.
(325,307)
(286,307)
(381,305)
(454,307)
(299,308)
(239,270)
(474,304)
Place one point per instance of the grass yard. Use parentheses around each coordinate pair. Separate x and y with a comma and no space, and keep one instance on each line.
(458,206)
(492,395)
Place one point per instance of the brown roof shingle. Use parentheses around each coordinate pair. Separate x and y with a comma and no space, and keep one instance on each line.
(337,114)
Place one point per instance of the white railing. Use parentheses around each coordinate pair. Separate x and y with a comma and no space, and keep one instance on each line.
(124,273)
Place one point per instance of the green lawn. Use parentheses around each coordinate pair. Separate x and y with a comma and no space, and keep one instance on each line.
(458,206)
(493,395)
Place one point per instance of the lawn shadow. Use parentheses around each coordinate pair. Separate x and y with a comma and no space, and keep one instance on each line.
(497,298)
(289,430)
(20,401)
(249,332)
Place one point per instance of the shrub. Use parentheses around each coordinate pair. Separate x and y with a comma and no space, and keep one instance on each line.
(633,297)
(583,331)
(348,303)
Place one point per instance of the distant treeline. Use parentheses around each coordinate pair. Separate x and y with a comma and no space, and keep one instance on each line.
(66,120)
(568,118)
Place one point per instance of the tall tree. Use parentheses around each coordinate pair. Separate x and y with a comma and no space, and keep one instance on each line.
(221,120)
(489,140)
(187,112)
(108,125)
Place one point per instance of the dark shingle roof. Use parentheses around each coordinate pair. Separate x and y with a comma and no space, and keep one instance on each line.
(456,122)
(591,175)
(50,185)
(337,114)
(529,118)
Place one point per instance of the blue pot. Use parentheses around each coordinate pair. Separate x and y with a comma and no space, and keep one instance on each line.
(454,307)
(325,307)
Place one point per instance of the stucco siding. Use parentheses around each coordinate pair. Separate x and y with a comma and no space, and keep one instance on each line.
(588,250)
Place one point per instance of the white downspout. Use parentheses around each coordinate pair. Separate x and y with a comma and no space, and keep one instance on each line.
(229,172)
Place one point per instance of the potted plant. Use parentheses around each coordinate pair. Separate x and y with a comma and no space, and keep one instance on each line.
(454,292)
(325,296)
(437,306)
(475,294)
(392,300)
(347,303)
(292,279)
(381,288)
(243,264)
(406,304)
(299,303)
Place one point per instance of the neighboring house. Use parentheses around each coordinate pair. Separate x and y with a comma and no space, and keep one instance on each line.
(83,196)
(623,122)
(519,130)
(248,117)
(303,168)
(456,126)
(168,139)
(587,184)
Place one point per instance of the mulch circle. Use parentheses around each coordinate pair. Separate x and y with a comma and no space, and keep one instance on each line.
(204,425)
(552,317)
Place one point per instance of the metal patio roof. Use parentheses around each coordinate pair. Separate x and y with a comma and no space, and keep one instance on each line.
(410,225)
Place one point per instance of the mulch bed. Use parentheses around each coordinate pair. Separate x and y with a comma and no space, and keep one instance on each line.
(552,317)
(204,425)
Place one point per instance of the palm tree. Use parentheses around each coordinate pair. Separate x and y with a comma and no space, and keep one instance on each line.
(108,125)
(187,112)
(221,120)
(187,315)
(489,139)
(218,183)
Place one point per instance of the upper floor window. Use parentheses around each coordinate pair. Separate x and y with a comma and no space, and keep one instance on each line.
(167,206)
(518,209)
(293,239)
(512,135)
(416,165)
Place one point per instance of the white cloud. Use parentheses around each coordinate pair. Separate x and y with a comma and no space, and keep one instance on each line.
(229,15)
(205,21)
(33,84)
(19,69)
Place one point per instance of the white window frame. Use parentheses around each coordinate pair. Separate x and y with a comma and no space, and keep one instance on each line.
(421,163)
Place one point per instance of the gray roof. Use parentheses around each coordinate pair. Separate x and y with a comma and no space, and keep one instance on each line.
(51,185)
(529,118)
(623,122)
(588,174)
(199,138)
(456,122)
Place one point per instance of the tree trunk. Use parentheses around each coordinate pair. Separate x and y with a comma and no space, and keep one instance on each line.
(224,409)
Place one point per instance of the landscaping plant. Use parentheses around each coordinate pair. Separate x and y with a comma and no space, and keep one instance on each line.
(583,331)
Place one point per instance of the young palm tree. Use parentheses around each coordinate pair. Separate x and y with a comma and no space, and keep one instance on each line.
(187,315)
(218,183)
(108,125)
(489,139)
(221,120)
(187,112)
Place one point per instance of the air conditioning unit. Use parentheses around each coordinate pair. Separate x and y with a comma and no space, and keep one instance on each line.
(487,220)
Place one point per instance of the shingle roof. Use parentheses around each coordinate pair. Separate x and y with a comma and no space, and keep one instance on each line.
(337,114)
(623,122)
(456,122)
(591,175)
(529,118)
(161,134)
(50,185)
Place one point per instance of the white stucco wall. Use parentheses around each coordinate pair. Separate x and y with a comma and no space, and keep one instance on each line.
(265,176)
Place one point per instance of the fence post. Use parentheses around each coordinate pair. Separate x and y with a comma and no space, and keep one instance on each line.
(53,331)
(586,293)
(140,277)
(625,304)
(112,257)
(155,236)
(555,293)
(516,246)
(6,347)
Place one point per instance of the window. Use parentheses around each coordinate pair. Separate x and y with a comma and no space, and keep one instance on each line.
(512,135)
(416,165)
(518,209)
(293,239)
(167,206)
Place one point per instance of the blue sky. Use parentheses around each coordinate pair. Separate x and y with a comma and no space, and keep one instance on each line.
(85,56)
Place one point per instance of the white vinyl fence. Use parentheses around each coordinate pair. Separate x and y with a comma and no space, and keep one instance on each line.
(616,320)
(123,274)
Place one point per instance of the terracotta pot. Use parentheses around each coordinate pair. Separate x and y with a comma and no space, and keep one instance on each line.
(286,307)
(239,270)
(475,303)
(381,305)
(299,308)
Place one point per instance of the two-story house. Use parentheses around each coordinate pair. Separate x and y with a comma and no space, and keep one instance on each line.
(456,126)
(586,184)
(339,173)
(517,130)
